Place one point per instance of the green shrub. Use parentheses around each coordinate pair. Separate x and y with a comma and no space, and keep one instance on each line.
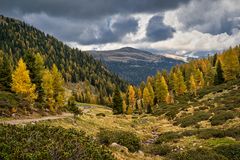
(45,142)
(233,132)
(209,133)
(124,138)
(160,149)
(193,119)
(167,137)
(221,117)
(189,133)
(230,151)
(197,154)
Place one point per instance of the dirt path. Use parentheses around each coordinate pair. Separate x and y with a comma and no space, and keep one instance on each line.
(33,120)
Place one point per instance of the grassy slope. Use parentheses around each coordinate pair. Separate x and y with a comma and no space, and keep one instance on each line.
(224,98)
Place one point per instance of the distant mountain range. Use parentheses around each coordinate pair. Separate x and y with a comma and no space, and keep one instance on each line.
(134,65)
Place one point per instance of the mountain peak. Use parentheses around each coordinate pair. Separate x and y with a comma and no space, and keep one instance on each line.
(133,50)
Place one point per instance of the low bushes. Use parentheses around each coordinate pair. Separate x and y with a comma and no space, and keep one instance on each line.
(231,151)
(167,137)
(193,119)
(160,149)
(197,154)
(45,142)
(221,117)
(124,138)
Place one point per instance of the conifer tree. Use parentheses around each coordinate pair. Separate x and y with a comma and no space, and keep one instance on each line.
(58,87)
(219,77)
(48,90)
(179,84)
(230,65)
(21,83)
(147,100)
(199,79)
(124,107)
(5,73)
(151,93)
(117,102)
(192,85)
(162,90)
(131,100)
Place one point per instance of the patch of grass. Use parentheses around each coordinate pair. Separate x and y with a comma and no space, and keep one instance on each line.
(213,142)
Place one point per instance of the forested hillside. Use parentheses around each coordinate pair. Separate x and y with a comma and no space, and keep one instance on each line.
(183,81)
(18,39)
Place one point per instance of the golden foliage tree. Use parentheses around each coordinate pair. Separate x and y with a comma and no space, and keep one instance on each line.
(47,85)
(192,85)
(131,99)
(21,83)
(58,87)
(146,100)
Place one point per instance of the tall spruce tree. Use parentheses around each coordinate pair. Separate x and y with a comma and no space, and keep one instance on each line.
(219,77)
(6,72)
(117,102)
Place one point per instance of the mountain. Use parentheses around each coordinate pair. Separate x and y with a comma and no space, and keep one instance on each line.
(18,38)
(134,65)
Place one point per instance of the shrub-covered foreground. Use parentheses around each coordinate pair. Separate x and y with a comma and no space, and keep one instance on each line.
(124,138)
(45,142)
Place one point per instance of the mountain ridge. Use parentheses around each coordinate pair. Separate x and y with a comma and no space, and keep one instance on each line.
(134,65)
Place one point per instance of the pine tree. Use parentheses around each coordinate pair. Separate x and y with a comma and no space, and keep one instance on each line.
(151,93)
(21,83)
(219,77)
(192,85)
(58,87)
(117,102)
(131,97)
(230,65)
(6,73)
(199,79)
(48,90)
(179,84)
(124,107)
(147,100)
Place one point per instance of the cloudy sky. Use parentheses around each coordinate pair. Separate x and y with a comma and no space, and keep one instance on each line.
(175,26)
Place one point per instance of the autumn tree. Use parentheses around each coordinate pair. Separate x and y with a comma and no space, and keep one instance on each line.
(151,93)
(48,90)
(179,84)
(199,79)
(192,85)
(131,99)
(230,65)
(147,100)
(162,90)
(57,87)
(21,83)
(117,102)
(219,77)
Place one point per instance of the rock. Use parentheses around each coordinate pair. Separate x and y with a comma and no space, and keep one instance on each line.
(141,153)
(119,147)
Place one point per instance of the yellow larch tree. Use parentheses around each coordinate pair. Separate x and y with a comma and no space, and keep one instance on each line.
(21,83)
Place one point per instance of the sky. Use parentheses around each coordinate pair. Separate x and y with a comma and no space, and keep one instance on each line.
(160,26)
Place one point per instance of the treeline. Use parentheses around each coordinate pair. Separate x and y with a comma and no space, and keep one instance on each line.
(35,85)
(183,79)
(18,38)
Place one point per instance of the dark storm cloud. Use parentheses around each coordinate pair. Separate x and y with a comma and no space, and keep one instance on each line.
(106,33)
(84,31)
(86,9)
(157,30)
